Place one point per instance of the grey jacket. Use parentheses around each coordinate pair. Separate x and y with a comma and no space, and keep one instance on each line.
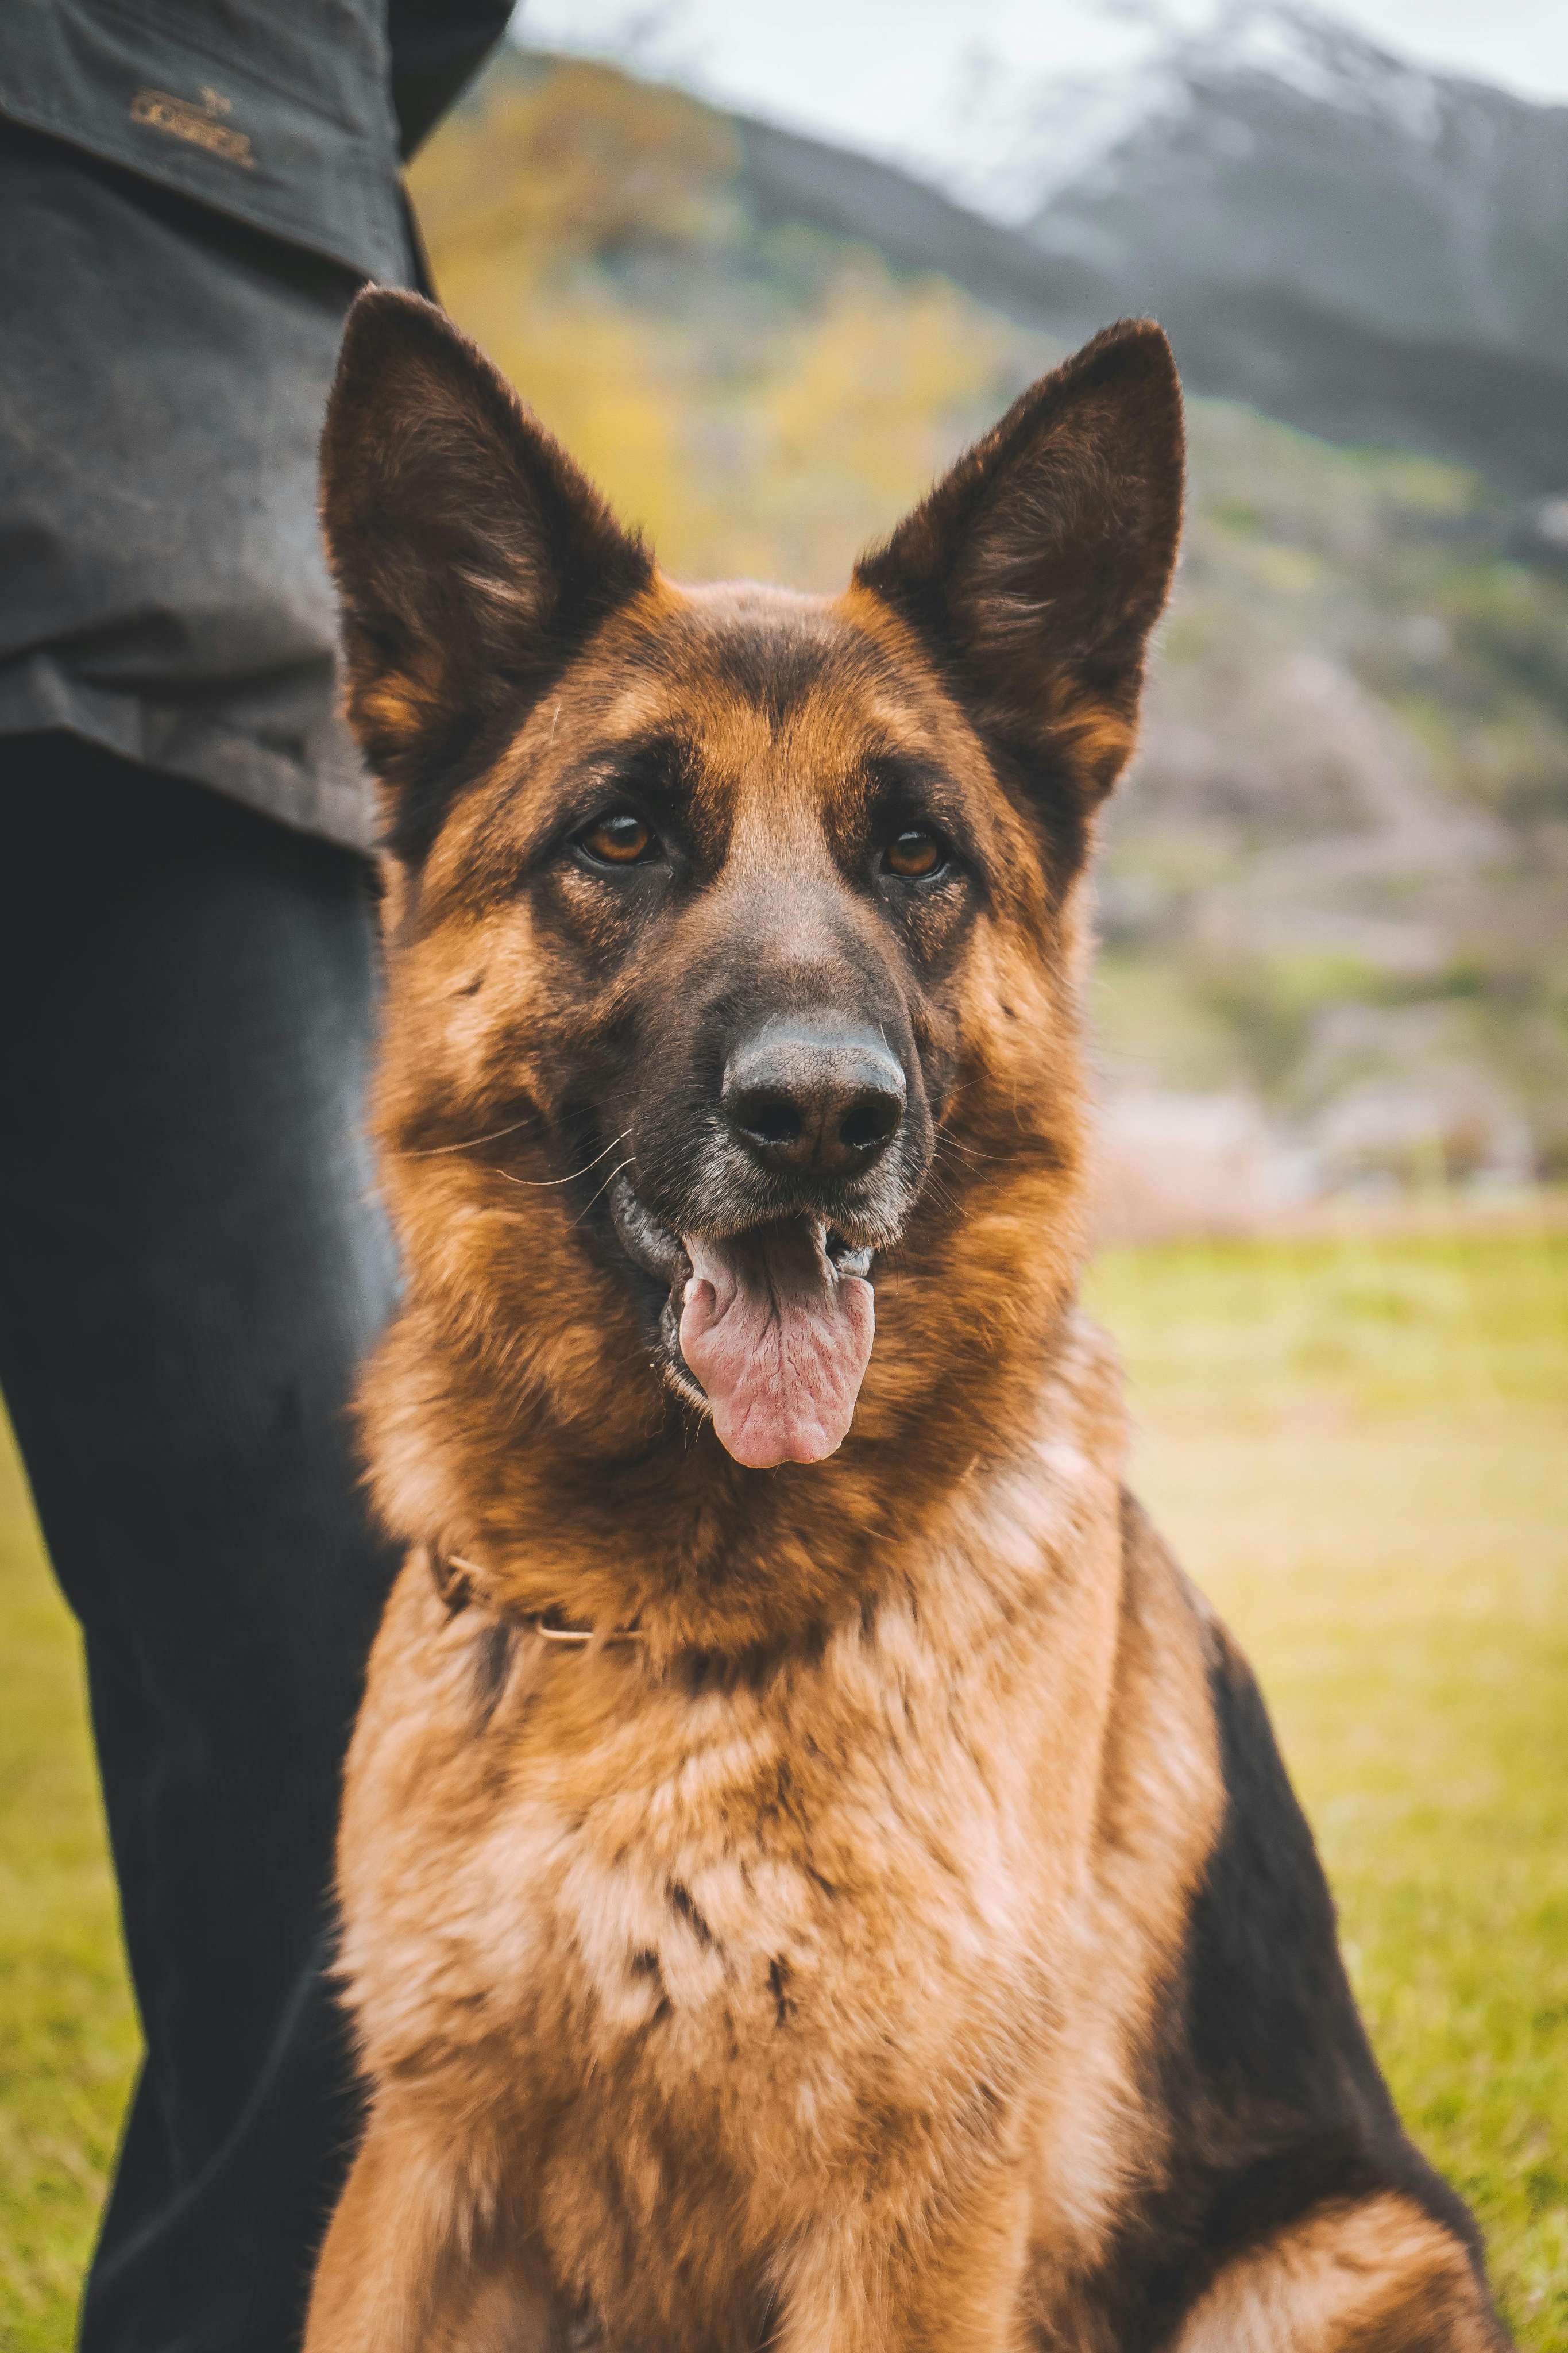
(191,191)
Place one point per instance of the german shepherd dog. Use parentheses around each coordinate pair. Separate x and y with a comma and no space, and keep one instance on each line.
(813,1872)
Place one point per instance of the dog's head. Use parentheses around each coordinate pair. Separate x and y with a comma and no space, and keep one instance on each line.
(731,938)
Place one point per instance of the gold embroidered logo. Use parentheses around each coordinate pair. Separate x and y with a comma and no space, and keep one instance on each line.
(197,121)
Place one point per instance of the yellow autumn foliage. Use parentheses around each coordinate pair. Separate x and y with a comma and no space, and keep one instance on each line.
(774,442)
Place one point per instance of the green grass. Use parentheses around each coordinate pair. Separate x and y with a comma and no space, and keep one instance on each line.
(1357,1446)
(68,2033)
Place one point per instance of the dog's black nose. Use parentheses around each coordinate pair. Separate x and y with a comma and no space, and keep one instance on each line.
(822,1101)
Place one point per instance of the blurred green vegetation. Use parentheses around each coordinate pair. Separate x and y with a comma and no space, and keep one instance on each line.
(1355,1441)
(68,2033)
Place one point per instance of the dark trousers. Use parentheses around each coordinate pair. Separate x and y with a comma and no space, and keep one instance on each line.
(191,1265)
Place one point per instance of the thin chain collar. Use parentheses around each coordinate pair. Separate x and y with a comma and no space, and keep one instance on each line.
(463,1583)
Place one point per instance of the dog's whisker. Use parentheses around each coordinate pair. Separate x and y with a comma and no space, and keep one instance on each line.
(967,1151)
(546,1184)
(467,1142)
(628,1162)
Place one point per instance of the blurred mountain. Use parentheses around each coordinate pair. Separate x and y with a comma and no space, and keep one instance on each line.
(1334,890)
(1283,148)
(1350,242)
(787,176)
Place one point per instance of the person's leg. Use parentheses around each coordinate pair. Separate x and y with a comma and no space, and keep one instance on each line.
(191,1265)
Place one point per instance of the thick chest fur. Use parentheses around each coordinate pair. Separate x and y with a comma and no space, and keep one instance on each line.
(787,1932)
(698,1954)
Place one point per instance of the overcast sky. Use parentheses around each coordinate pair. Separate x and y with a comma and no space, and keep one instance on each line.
(891,75)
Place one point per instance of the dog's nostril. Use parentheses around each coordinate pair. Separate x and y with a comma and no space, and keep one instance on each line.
(870,1121)
(768,1117)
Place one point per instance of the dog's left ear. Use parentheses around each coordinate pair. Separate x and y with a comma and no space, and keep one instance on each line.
(471,558)
(1035,570)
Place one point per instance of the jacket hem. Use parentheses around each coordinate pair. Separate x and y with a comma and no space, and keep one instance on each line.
(326,794)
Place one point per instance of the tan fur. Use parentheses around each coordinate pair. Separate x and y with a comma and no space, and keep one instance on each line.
(1378,2277)
(945,1780)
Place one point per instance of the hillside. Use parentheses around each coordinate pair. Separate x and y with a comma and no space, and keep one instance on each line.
(1333,890)
(1353,241)
(1282,147)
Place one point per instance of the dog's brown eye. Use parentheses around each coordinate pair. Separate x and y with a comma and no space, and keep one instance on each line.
(914,852)
(619,839)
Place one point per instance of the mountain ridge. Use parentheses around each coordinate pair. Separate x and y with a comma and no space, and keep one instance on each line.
(1366,250)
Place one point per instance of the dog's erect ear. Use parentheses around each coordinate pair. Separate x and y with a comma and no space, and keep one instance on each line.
(471,558)
(1037,569)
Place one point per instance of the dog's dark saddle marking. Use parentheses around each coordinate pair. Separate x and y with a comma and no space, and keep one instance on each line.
(1267,2070)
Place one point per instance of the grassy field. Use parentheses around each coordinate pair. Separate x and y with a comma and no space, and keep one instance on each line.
(1358,1447)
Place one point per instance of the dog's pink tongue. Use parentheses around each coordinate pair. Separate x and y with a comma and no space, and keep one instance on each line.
(779,1340)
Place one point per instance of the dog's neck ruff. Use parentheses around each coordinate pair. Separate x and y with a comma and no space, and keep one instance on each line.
(462,1583)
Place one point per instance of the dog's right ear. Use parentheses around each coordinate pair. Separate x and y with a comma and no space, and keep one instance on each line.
(470,555)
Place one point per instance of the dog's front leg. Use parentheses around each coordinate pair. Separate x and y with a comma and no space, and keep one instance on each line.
(418,2258)
(896,2276)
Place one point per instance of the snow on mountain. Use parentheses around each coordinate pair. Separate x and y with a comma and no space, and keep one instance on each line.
(1281,149)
